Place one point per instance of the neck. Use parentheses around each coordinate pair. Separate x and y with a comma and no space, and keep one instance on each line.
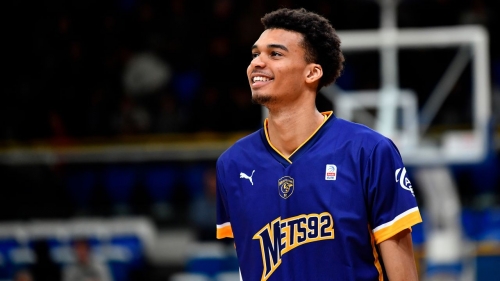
(288,127)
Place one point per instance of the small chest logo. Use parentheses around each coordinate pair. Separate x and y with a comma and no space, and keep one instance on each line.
(285,186)
(331,172)
(245,176)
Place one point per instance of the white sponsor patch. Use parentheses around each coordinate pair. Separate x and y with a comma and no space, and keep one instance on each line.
(331,172)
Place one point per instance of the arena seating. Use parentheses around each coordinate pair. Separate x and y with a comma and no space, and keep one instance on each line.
(123,244)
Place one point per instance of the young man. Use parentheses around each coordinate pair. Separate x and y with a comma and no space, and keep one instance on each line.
(311,196)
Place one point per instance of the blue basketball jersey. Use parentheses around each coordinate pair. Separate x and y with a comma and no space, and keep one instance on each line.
(318,214)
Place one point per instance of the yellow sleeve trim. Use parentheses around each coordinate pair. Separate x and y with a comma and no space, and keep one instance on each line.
(376,260)
(225,232)
(401,222)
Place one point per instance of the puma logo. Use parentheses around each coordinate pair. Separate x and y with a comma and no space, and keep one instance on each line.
(245,176)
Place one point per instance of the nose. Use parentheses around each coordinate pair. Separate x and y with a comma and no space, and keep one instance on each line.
(258,62)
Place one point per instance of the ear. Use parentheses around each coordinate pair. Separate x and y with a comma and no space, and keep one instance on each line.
(313,73)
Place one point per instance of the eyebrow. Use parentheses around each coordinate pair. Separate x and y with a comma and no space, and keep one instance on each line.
(273,46)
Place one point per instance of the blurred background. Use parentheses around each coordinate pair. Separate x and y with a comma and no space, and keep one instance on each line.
(113,114)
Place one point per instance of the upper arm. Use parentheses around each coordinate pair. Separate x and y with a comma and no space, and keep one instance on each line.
(391,203)
(397,254)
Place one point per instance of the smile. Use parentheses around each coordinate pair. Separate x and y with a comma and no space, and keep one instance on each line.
(260,80)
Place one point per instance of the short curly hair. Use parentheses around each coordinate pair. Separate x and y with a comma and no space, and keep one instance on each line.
(321,43)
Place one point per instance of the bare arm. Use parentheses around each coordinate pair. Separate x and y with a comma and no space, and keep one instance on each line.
(397,254)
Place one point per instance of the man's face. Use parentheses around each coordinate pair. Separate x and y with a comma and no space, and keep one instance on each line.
(277,71)
(82,252)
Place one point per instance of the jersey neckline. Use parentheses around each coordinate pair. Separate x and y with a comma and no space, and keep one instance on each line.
(287,161)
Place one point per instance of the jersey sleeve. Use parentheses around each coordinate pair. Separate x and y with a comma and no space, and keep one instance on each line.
(391,203)
(224,229)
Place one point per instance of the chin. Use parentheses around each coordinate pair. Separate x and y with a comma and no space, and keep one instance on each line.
(262,99)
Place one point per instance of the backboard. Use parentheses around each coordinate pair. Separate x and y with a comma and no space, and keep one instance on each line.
(395,112)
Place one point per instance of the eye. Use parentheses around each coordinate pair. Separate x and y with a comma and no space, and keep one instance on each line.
(275,54)
(254,55)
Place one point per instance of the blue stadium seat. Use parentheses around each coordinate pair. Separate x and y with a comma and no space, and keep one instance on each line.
(126,253)
(444,271)
(135,250)
(231,262)
(160,181)
(119,270)
(228,276)
(193,178)
(483,226)
(490,225)
(418,234)
(487,268)
(211,259)
(119,181)
(80,185)
(209,266)
(183,276)
(472,223)
(7,266)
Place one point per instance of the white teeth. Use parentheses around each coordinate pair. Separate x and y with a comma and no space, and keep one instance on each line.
(260,78)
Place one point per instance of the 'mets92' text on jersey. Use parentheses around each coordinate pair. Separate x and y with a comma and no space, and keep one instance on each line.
(318,214)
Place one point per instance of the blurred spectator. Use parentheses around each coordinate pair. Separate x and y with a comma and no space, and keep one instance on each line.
(186,85)
(145,74)
(45,268)
(437,13)
(59,134)
(202,210)
(132,67)
(182,48)
(85,57)
(248,114)
(131,118)
(23,275)
(170,117)
(86,267)
(222,17)
(208,112)
(477,14)
(218,67)
(97,114)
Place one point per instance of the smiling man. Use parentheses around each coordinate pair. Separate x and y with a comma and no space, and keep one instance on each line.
(311,196)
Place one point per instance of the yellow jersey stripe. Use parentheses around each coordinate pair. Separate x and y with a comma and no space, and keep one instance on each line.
(401,222)
(326,116)
(270,144)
